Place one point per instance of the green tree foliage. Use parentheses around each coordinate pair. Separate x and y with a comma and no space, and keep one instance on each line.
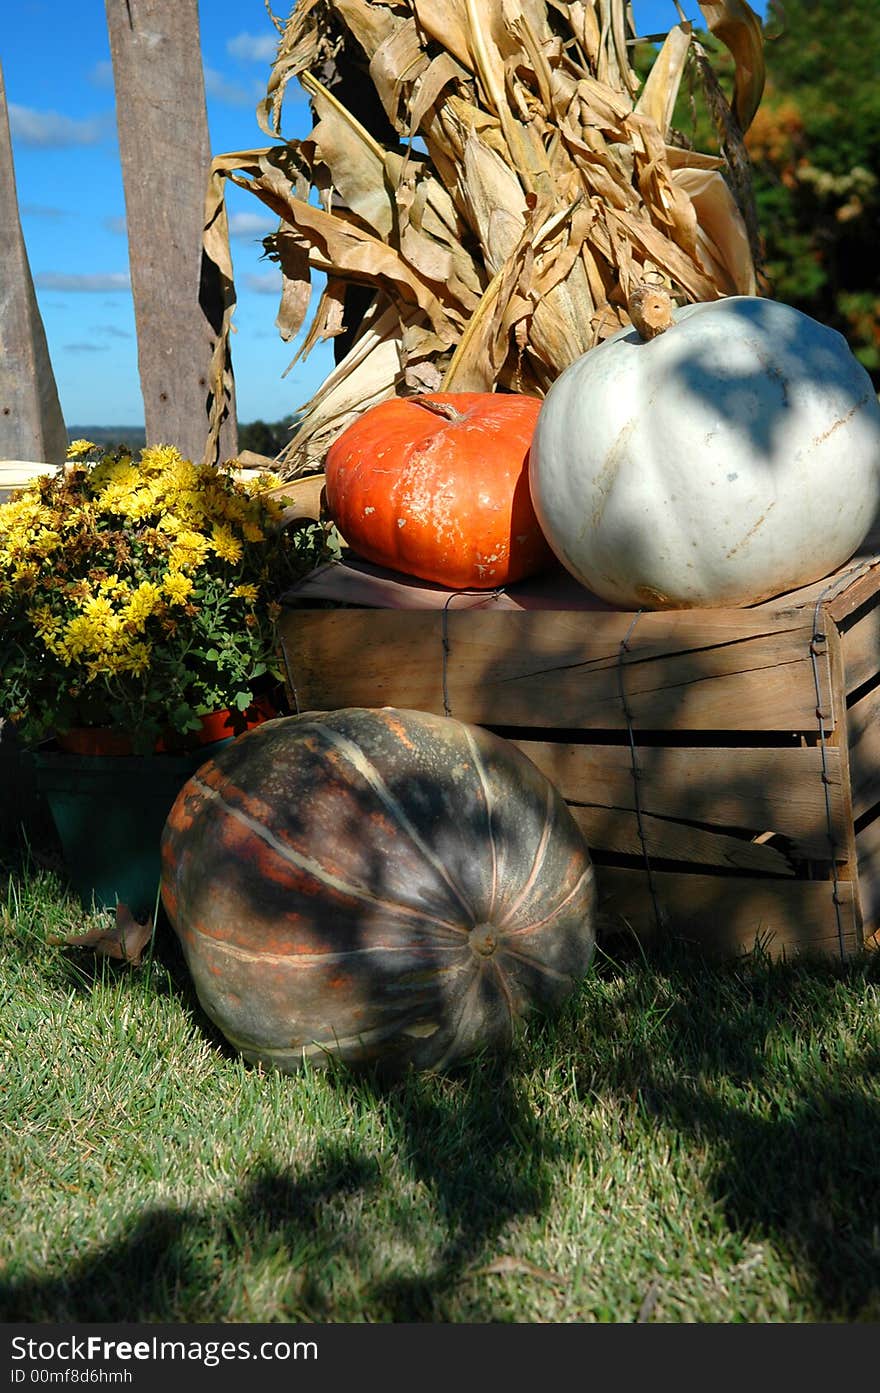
(815,152)
(265,438)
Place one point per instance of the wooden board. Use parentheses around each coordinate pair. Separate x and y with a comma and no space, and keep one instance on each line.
(31,422)
(863,725)
(607,829)
(166,155)
(764,790)
(725,915)
(684,670)
(860,635)
(868,852)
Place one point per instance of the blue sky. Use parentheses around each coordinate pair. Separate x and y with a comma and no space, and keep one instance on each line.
(56,66)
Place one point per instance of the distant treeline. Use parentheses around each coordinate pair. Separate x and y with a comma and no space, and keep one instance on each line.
(262,437)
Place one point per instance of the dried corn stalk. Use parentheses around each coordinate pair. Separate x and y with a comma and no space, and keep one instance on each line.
(497,174)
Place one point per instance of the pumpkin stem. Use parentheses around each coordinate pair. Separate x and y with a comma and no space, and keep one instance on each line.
(650,309)
(439,408)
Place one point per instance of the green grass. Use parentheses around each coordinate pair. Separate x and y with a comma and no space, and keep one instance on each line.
(685,1143)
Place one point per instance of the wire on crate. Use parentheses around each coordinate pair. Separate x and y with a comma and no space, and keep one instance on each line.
(818,649)
(659,919)
(444,637)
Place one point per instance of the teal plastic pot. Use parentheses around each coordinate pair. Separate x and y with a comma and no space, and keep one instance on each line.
(109,812)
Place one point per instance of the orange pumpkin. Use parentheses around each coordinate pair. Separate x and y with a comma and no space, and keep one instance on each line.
(437,486)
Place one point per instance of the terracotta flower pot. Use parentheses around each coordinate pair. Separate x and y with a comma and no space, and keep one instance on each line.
(218,725)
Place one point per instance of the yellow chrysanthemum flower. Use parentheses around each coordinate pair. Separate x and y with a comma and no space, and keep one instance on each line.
(22,513)
(233,507)
(112,585)
(246,592)
(116,497)
(188,552)
(142,602)
(225,543)
(262,482)
(25,575)
(135,659)
(177,587)
(79,636)
(99,609)
(111,471)
(183,476)
(77,448)
(44,621)
(142,503)
(46,542)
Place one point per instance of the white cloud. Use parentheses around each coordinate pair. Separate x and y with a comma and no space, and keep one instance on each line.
(253,48)
(40,210)
(263,283)
(222,89)
(101,74)
(86,348)
(251,224)
(53,129)
(116,225)
(87,284)
(111,331)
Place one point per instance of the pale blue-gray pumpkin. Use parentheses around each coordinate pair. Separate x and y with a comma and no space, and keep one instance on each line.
(723,454)
(382,886)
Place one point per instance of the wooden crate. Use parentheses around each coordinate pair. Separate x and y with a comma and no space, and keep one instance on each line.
(724,764)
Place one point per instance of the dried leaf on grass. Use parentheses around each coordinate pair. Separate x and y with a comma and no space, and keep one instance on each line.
(509,1266)
(126,940)
(491,169)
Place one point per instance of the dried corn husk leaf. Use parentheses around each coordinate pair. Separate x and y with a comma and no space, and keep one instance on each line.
(737,26)
(329,317)
(658,95)
(370,372)
(296,286)
(355,159)
(503,187)
(723,245)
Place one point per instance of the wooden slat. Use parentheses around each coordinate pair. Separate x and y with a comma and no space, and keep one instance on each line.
(31,423)
(165,152)
(868,853)
(842,591)
(838,739)
(861,648)
(863,723)
(725,915)
(862,592)
(778,790)
(609,829)
(685,670)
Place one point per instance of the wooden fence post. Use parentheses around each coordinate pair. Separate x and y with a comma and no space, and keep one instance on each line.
(31,423)
(166,157)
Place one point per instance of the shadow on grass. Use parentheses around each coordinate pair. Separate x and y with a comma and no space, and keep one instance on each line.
(772,1069)
(308,1233)
(768,1071)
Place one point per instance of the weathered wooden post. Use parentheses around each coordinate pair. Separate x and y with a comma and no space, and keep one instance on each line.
(31,423)
(166,156)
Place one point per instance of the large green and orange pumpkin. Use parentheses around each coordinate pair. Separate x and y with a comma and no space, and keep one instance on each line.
(437,486)
(382,886)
